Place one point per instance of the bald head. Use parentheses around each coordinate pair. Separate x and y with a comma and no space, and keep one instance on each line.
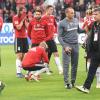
(69,12)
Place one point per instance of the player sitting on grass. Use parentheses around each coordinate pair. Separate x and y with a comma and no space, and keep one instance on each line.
(32,61)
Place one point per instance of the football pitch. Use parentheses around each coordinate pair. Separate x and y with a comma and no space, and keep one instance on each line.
(50,87)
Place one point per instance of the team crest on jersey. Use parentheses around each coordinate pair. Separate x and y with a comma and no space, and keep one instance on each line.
(38,25)
(51,20)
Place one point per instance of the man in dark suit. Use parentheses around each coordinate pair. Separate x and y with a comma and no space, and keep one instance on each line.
(94,49)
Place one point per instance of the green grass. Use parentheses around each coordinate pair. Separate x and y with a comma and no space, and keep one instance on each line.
(49,88)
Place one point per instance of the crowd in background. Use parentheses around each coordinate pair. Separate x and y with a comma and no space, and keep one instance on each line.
(8,7)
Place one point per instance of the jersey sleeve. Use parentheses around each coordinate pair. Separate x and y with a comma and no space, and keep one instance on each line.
(1,23)
(29,30)
(45,56)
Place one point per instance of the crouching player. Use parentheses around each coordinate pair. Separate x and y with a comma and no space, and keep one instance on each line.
(32,61)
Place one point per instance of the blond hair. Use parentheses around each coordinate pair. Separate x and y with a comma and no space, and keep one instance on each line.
(43,44)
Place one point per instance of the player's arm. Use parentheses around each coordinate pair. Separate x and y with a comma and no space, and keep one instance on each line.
(29,30)
(55,24)
(61,34)
(26,22)
(21,24)
(18,26)
(45,56)
(1,23)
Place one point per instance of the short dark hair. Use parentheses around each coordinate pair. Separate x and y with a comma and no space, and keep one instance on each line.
(48,6)
(97,9)
(66,10)
(38,10)
(19,9)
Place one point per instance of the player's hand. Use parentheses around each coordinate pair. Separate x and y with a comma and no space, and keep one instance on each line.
(46,64)
(55,35)
(84,45)
(68,50)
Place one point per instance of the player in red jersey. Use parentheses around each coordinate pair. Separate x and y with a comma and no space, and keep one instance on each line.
(88,20)
(38,29)
(36,59)
(1,23)
(21,42)
(2,85)
(50,19)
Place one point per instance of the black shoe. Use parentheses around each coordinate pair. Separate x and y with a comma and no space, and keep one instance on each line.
(68,86)
(51,71)
(2,85)
(73,85)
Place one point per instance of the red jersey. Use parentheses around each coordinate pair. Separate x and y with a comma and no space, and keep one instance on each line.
(22,32)
(34,56)
(37,31)
(97,2)
(51,24)
(1,23)
(88,21)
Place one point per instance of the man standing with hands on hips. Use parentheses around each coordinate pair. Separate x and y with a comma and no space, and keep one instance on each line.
(68,38)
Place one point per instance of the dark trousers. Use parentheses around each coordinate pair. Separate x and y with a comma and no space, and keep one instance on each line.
(34,68)
(91,73)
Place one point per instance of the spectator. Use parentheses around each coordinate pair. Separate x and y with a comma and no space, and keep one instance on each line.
(13,7)
(62,14)
(20,3)
(7,7)
(67,3)
(29,7)
(82,10)
(39,2)
(1,4)
(58,7)
(77,10)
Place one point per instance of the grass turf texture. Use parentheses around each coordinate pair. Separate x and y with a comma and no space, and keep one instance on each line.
(49,88)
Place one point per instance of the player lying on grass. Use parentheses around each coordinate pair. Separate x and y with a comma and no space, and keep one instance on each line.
(36,60)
